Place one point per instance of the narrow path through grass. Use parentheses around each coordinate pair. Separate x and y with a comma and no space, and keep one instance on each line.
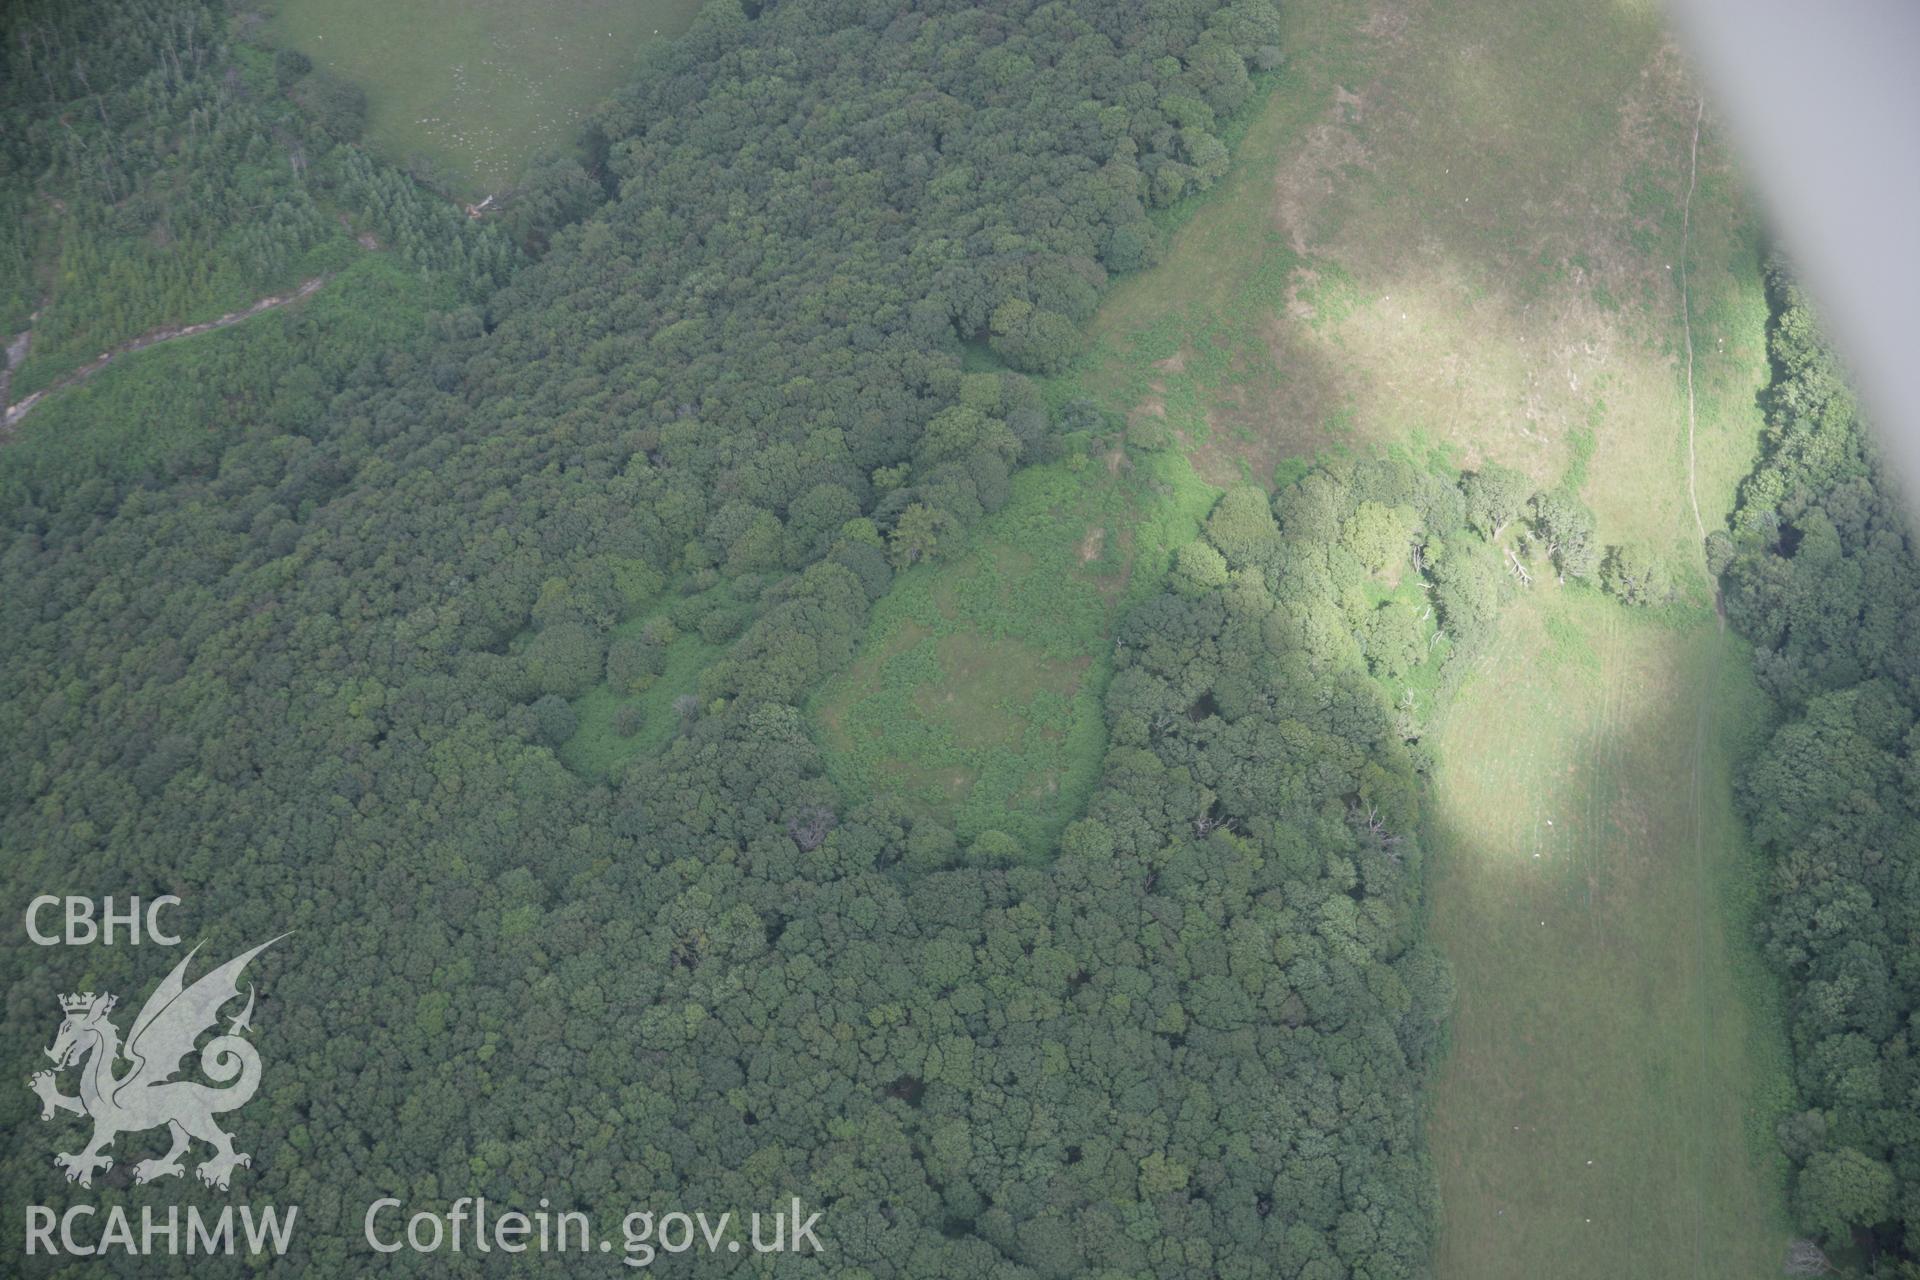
(1686,309)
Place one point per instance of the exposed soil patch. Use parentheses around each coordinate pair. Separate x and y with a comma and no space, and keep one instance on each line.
(16,355)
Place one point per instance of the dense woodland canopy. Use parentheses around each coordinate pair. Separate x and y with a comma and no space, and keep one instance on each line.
(295,613)
(1819,571)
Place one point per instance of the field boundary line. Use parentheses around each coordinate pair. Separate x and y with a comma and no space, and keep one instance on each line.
(1686,308)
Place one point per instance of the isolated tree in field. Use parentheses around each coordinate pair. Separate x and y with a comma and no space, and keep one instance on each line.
(1633,574)
(1565,527)
(1496,497)
(633,661)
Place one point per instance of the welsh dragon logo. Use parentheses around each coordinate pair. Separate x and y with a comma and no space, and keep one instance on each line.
(147,1096)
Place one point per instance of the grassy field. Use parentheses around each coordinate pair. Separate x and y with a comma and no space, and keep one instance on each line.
(1457,226)
(977,694)
(477,87)
(1617,1060)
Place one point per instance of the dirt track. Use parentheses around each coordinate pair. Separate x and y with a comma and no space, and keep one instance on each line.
(17,350)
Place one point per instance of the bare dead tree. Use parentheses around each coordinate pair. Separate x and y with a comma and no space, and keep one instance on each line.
(1804,1258)
(1374,829)
(810,826)
(1208,823)
(1517,569)
(80,73)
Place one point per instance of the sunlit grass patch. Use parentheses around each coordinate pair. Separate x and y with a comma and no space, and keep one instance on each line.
(1475,214)
(976,698)
(1618,1060)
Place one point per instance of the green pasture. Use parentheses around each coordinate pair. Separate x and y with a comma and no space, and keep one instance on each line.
(977,695)
(477,87)
(1618,1059)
